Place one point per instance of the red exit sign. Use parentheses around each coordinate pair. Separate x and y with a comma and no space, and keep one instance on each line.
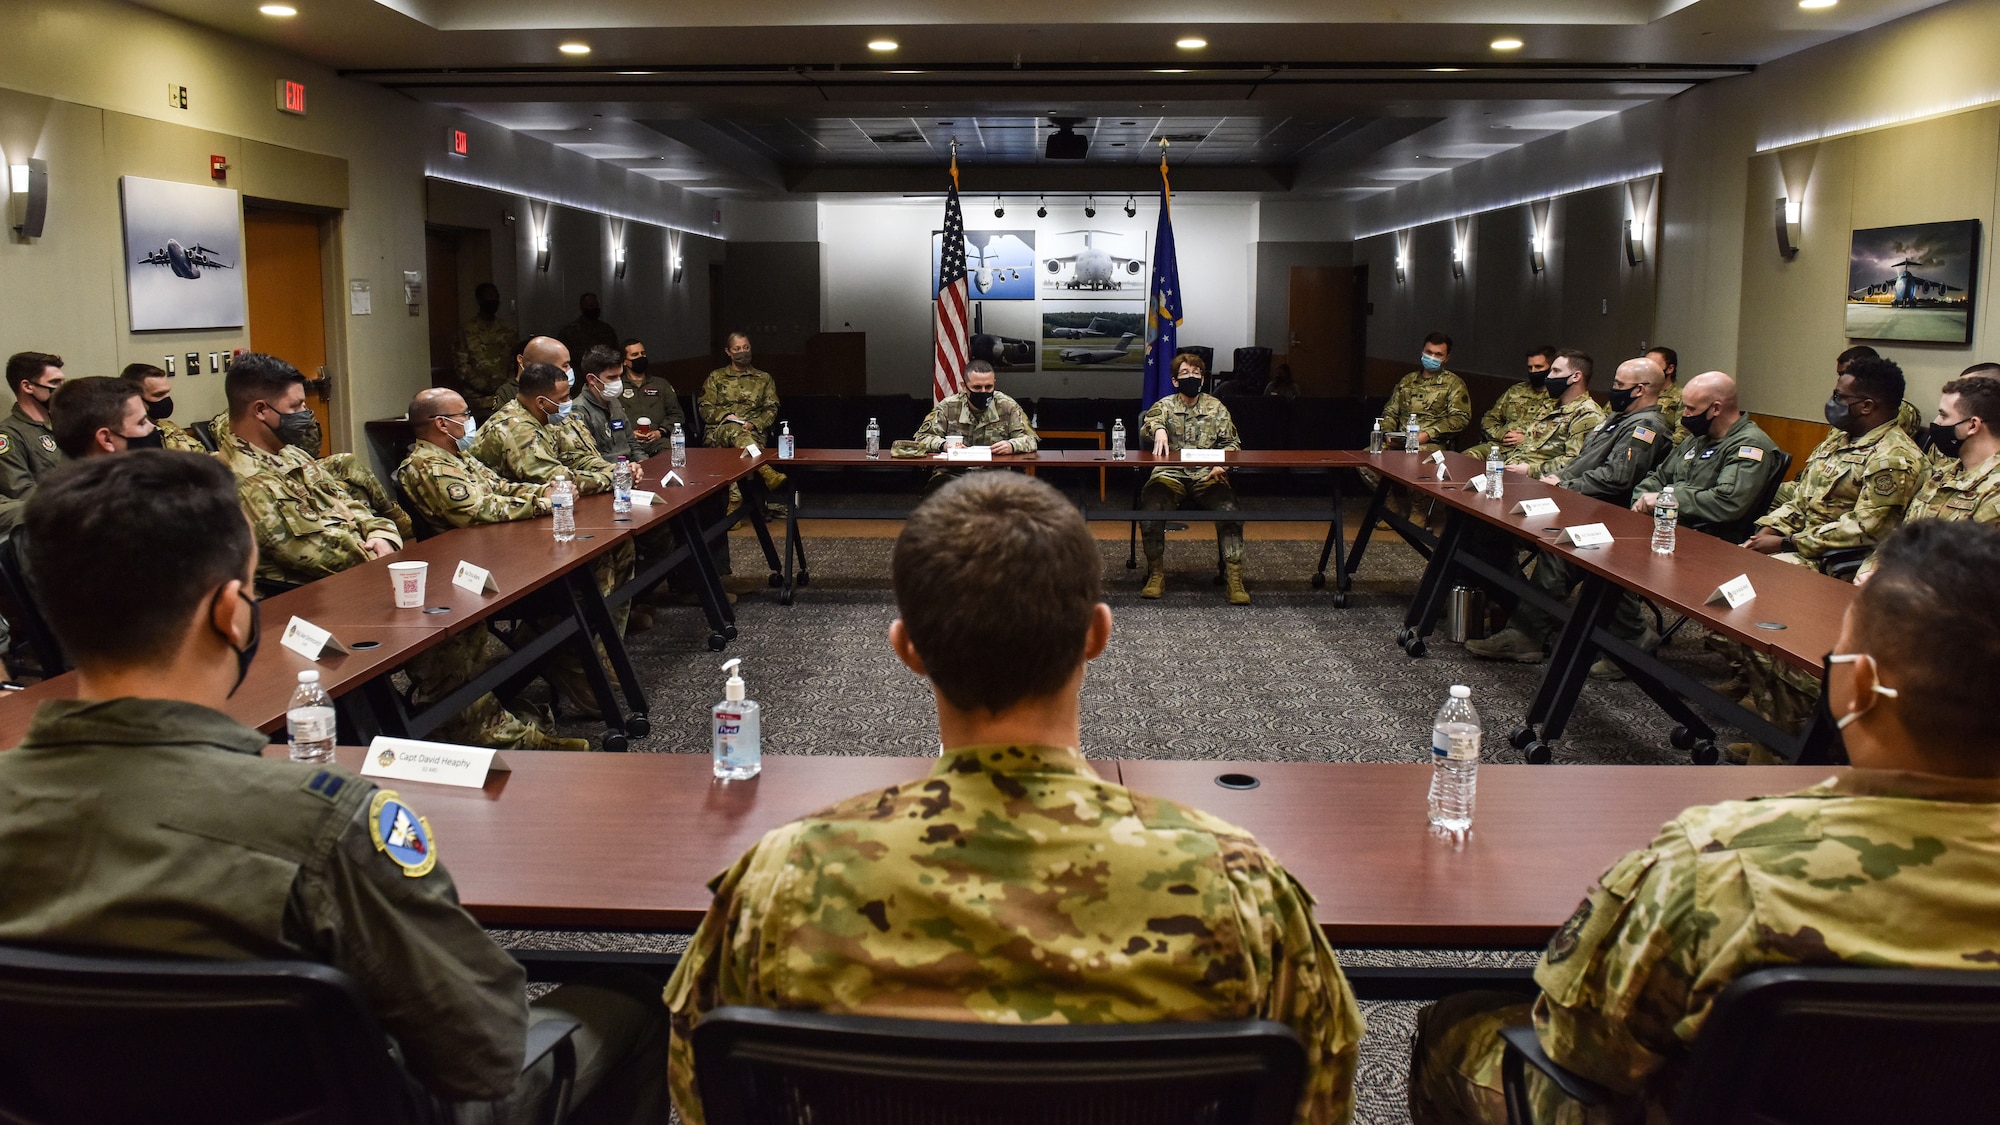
(457,143)
(291,97)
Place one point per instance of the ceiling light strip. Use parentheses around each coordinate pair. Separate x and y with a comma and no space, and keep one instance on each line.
(1884,121)
(506,189)
(1589,185)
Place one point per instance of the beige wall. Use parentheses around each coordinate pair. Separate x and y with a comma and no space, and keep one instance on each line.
(85,89)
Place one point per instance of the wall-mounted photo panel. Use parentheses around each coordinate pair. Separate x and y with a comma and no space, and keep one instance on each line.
(1913,282)
(999,264)
(1092,336)
(1003,334)
(183,255)
(1101,263)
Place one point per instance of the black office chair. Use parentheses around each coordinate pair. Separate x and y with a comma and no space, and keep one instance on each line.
(418,521)
(217,1042)
(1823,1046)
(32,626)
(761,1067)
(204,431)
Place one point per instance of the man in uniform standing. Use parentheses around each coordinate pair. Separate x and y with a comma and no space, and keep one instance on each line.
(1014,882)
(1568,417)
(650,402)
(27,446)
(1520,404)
(980,415)
(589,329)
(158,391)
(739,407)
(177,839)
(1890,865)
(1623,449)
(484,354)
(1190,419)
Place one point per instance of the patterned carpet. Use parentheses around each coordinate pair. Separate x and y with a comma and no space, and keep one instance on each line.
(1288,678)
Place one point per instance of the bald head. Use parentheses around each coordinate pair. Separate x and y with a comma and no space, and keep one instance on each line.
(1642,372)
(1638,380)
(439,415)
(1708,404)
(546,349)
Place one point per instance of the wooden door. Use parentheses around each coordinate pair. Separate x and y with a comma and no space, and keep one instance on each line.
(281,259)
(1321,322)
(441,275)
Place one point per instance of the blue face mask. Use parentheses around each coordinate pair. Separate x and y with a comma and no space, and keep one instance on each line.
(471,430)
(1433,363)
(559,411)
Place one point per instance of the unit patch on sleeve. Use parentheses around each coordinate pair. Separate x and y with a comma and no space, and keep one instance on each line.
(402,835)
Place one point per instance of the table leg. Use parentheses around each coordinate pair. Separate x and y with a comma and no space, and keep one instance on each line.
(594,627)
(363,714)
(1568,668)
(754,495)
(1336,545)
(714,605)
(1377,504)
(794,550)
(1422,616)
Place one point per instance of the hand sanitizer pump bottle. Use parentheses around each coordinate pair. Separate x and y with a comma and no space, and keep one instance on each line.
(738,741)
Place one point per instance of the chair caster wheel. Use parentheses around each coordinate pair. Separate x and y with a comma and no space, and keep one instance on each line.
(1521,738)
(1415,647)
(1319,581)
(614,742)
(784,599)
(1131,564)
(805,578)
(775,580)
(638,726)
(1706,753)
(1403,635)
(1681,738)
(1340,600)
(729,631)
(1539,753)
(716,642)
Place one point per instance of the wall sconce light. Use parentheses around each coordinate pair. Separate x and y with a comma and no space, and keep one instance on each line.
(1538,252)
(542,251)
(1791,220)
(1641,197)
(28,202)
(618,264)
(617,248)
(680,264)
(1635,245)
(1402,256)
(1461,239)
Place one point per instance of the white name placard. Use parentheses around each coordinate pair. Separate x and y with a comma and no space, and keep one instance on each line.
(1477,484)
(1541,507)
(1737,592)
(751,450)
(1586,535)
(643,499)
(474,579)
(1437,458)
(1205,456)
(407,759)
(969,453)
(309,640)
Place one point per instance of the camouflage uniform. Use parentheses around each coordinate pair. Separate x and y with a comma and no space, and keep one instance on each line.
(307,524)
(1002,420)
(1908,420)
(751,396)
(520,448)
(1962,492)
(1851,493)
(1873,867)
(1518,405)
(1015,886)
(1670,409)
(1204,425)
(483,358)
(1556,435)
(652,397)
(177,439)
(1440,401)
(364,487)
(27,450)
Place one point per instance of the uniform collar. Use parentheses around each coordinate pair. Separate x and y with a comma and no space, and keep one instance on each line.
(1869,438)
(236,450)
(22,415)
(1002,758)
(1973,476)
(1743,420)
(138,722)
(1910,785)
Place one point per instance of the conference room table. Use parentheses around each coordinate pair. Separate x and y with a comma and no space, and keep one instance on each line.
(628,842)
(1794,617)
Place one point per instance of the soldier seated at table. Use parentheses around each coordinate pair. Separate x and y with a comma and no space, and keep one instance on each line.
(96,417)
(1622,449)
(1189,419)
(739,407)
(1014,884)
(1506,422)
(157,389)
(1557,433)
(1671,394)
(138,818)
(977,416)
(650,402)
(1964,483)
(1890,865)
(1436,397)
(600,405)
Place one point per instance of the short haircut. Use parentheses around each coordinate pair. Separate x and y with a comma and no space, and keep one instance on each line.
(1439,338)
(1931,613)
(1879,379)
(629,341)
(1857,352)
(1672,357)
(1546,351)
(598,359)
(23,367)
(541,378)
(84,406)
(1979,395)
(979,365)
(733,335)
(1192,358)
(1579,361)
(140,372)
(97,532)
(256,376)
(996,577)
(486,286)
(1981,369)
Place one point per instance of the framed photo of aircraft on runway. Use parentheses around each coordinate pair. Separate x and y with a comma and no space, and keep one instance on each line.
(1097,264)
(1913,282)
(183,255)
(1088,336)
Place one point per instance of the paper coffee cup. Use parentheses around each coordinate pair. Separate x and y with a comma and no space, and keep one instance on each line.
(407,579)
(645,423)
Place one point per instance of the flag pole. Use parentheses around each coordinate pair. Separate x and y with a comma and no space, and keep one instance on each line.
(954,161)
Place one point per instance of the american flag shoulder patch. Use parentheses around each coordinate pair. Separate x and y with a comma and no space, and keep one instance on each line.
(1750,453)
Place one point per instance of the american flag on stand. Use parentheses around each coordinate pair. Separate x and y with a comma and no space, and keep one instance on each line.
(953,342)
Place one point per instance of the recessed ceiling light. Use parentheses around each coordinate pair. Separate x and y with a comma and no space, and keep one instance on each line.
(282,11)
(1191,43)
(1507,44)
(881,44)
(574,48)
(1815,5)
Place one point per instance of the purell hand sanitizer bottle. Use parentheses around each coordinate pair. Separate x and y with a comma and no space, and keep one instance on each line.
(738,743)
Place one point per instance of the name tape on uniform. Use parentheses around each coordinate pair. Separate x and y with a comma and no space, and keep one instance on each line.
(474,579)
(309,640)
(1205,456)
(1586,535)
(1737,592)
(1541,507)
(408,759)
(969,453)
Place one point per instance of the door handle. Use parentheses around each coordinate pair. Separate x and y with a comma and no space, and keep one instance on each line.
(322,386)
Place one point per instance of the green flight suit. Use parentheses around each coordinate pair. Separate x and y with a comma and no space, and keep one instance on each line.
(27,451)
(1717,478)
(650,398)
(609,428)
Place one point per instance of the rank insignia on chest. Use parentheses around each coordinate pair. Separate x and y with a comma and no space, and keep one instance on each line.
(399,833)
(618,423)
(456,490)
(48,443)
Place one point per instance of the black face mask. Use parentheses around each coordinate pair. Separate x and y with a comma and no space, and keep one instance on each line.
(1538,379)
(1945,439)
(150,441)
(162,409)
(299,428)
(1555,388)
(489,309)
(1698,424)
(592,313)
(1622,398)
(979,400)
(248,652)
(1840,415)
(1189,386)
(639,365)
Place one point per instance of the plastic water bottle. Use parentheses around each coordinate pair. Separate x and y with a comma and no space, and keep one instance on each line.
(680,446)
(1666,516)
(874,437)
(1376,442)
(1410,432)
(785,441)
(1496,474)
(309,720)
(738,733)
(1118,440)
(1454,765)
(621,487)
(562,505)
